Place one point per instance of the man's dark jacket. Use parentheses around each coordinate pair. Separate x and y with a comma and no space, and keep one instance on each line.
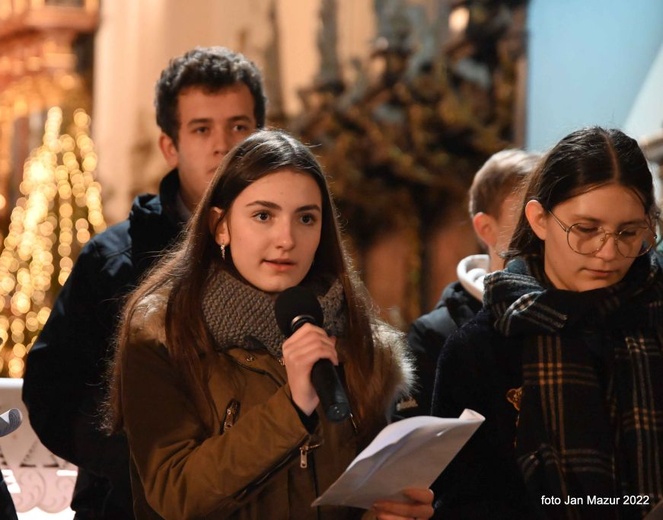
(65,379)
(427,335)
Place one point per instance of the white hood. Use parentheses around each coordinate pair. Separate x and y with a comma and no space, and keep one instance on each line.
(471,271)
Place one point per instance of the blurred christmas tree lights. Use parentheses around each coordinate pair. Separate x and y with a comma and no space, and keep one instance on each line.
(59,209)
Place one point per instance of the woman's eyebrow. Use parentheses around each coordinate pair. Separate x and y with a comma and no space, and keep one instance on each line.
(594,220)
(264,203)
(274,205)
(309,207)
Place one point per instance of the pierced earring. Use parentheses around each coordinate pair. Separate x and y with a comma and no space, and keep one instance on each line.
(223,251)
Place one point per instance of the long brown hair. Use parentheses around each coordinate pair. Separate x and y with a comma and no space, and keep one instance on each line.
(186,270)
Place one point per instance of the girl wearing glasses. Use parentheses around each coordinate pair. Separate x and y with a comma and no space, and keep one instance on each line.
(565,361)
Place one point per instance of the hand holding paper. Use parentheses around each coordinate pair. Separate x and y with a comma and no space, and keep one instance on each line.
(405,454)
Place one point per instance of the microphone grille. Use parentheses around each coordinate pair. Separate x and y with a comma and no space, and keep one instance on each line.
(293,302)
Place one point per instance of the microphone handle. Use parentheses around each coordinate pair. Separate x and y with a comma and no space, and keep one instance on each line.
(329,388)
(325,380)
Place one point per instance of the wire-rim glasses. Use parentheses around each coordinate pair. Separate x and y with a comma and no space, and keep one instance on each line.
(631,241)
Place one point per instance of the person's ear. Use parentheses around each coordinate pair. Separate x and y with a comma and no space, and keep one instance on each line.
(485,226)
(169,151)
(218,226)
(537,217)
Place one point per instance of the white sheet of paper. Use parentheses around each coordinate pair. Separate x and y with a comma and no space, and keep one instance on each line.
(407,453)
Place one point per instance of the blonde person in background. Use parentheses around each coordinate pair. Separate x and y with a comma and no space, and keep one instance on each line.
(495,200)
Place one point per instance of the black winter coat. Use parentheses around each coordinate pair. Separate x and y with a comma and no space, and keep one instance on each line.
(427,336)
(483,480)
(64,385)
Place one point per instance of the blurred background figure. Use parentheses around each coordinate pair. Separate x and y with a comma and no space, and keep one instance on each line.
(495,204)
(206,100)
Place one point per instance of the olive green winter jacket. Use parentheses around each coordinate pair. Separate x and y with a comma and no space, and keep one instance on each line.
(261,461)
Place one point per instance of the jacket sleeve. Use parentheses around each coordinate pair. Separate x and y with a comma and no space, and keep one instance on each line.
(64,380)
(186,472)
(425,340)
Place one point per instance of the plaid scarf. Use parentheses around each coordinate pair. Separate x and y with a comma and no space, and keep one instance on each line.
(591,412)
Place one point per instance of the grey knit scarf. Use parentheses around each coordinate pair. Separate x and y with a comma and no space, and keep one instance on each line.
(239,315)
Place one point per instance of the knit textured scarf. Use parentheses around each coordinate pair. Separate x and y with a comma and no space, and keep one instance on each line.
(591,412)
(239,315)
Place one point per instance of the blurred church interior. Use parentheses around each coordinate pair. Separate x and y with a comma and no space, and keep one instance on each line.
(402,99)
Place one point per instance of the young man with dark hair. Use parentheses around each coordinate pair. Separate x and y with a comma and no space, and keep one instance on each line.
(207,100)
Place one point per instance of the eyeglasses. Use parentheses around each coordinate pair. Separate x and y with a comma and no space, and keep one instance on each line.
(631,242)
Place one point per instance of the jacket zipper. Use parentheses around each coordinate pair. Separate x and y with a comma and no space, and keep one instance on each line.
(316,487)
(303,453)
(303,449)
(232,410)
(279,465)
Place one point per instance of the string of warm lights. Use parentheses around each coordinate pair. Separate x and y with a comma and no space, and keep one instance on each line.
(58,211)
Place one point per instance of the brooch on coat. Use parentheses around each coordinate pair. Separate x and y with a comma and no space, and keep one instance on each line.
(514,395)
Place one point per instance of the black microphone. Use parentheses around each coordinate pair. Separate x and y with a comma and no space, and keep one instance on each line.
(293,308)
(10,421)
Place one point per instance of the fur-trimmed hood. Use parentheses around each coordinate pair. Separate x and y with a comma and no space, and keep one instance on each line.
(399,376)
